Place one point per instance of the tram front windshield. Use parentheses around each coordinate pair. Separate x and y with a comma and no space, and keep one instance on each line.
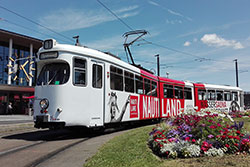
(54,74)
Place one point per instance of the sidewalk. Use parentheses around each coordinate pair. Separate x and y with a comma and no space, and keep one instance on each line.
(12,123)
(15,119)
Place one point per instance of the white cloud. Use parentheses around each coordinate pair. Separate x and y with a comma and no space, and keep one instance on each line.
(153,3)
(187,43)
(170,10)
(70,19)
(215,40)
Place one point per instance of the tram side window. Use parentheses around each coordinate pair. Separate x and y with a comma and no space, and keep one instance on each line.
(178,92)
(147,87)
(227,96)
(129,82)
(116,78)
(219,95)
(139,84)
(235,96)
(168,91)
(97,76)
(188,93)
(154,89)
(211,95)
(79,72)
(202,94)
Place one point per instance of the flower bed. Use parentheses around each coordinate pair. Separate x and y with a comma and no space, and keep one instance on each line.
(195,134)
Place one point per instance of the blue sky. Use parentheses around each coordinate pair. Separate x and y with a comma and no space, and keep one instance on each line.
(206,35)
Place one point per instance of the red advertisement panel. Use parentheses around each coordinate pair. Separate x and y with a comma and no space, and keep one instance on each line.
(133,106)
(149,107)
(171,107)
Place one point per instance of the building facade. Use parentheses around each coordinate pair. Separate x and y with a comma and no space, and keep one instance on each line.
(17,71)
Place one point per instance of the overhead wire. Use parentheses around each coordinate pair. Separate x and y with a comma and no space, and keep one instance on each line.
(23,17)
(18,25)
(198,58)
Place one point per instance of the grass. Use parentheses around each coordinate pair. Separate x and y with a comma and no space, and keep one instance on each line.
(131,149)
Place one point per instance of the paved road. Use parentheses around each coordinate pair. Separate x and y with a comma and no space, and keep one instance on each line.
(75,155)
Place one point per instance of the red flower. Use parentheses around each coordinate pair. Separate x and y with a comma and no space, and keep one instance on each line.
(236,144)
(187,138)
(238,132)
(213,126)
(193,140)
(227,145)
(223,137)
(237,137)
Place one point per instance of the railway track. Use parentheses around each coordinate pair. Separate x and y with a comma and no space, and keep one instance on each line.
(32,148)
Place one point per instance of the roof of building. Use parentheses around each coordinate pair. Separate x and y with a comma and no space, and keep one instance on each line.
(19,39)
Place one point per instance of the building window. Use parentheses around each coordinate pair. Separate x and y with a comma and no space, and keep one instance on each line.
(79,72)
(116,78)
(97,76)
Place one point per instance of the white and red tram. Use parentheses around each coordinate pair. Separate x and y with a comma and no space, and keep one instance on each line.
(78,86)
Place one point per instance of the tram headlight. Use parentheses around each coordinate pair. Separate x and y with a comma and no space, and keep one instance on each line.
(44,104)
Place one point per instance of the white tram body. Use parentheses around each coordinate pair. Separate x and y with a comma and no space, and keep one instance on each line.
(79,86)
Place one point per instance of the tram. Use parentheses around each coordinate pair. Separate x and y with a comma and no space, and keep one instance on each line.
(79,86)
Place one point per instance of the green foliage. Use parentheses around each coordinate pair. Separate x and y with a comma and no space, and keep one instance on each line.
(129,149)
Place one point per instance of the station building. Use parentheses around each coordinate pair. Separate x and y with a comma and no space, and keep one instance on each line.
(17,71)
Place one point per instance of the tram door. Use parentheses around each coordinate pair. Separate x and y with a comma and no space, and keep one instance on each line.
(97,93)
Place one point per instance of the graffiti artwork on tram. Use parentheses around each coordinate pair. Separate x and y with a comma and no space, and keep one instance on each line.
(114,109)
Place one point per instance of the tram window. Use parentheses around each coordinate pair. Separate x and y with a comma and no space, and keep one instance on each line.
(178,92)
(139,84)
(147,87)
(211,95)
(235,96)
(97,76)
(168,91)
(202,94)
(79,72)
(219,95)
(188,93)
(116,78)
(54,74)
(154,89)
(129,82)
(227,96)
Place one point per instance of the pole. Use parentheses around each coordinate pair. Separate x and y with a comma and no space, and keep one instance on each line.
(236,69)
(158,64)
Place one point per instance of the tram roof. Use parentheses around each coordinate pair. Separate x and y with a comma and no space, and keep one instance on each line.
(81,50)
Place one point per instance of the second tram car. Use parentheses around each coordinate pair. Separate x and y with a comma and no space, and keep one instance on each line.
(78,86)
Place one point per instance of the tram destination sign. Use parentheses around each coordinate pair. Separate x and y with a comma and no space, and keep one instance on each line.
(48,55)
